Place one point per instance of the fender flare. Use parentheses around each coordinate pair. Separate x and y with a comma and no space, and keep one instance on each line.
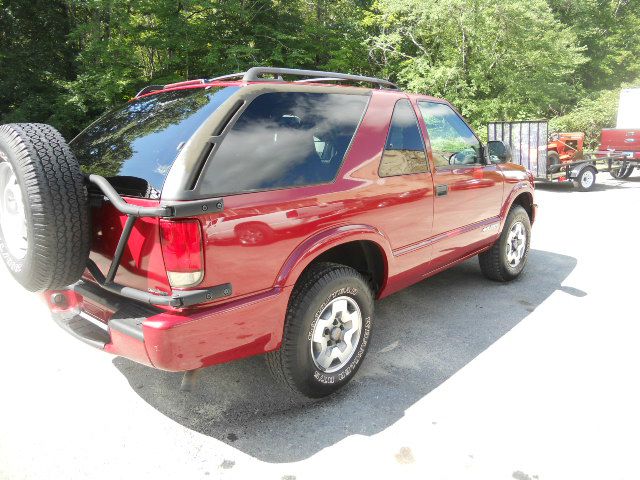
(521,188)
(577,169)
(319,243)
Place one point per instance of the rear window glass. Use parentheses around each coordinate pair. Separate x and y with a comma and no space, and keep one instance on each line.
(135,145)
(285,139)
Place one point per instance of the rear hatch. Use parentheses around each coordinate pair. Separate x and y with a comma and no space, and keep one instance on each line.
(134,147)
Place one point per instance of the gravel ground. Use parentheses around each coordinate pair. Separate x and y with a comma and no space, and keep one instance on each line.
(465,378)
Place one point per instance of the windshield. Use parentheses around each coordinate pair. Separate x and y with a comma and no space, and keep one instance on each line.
(135,145)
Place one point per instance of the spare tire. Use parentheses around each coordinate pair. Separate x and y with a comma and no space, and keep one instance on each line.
(44,215)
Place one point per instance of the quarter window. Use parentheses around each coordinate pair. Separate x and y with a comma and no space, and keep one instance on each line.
(285,139)
(452,141)
(404,150)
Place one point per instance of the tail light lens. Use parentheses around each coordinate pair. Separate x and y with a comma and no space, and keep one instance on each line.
(182,251)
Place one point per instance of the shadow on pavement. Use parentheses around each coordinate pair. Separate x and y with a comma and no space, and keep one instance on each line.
(423,336)
(567,187)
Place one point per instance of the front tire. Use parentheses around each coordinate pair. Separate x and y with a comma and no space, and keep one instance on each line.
(506,259)
(327,331)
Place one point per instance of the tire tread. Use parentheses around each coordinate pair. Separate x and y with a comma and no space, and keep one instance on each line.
(57,198)
(491,261)
(314,279)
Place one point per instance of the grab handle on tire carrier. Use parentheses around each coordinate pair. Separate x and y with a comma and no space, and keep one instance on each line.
(185,209)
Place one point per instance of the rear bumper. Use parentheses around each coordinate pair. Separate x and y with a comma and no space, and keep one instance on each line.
(168,340)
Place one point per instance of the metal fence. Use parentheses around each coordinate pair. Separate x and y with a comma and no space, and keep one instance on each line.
(527,140)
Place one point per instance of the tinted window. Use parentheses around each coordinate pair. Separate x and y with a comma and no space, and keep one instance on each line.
(404,150)
(284,140)
(452,141)
(136,144)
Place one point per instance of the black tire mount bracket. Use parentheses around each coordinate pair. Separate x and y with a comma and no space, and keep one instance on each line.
(178,298)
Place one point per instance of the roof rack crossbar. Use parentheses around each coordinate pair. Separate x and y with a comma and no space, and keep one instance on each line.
(254,75)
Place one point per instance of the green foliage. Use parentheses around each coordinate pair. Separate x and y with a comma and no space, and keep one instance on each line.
(591,115)
(610,32)
(65,62)
(494,59)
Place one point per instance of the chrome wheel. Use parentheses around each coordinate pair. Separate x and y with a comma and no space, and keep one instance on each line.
(13,219)
(336,334)
(516,244)
(587,179)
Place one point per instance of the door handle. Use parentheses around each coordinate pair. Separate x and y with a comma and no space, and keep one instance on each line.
(442,190)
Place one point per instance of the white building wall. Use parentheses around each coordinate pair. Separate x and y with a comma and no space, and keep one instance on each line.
(629,109)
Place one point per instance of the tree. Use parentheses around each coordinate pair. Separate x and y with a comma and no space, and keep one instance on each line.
(610,32)
(493,59)
(32,64)
(65,62)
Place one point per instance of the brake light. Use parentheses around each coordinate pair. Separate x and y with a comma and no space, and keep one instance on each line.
(182,252)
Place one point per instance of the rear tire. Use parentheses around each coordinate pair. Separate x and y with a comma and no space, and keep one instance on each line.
(327,331)
(506,259)
(44,216)
(622,172)
(586,179)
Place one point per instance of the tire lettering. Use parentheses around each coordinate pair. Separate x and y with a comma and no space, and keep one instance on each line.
(323,378)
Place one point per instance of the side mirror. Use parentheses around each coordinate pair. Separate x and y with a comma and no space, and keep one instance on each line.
(498,151)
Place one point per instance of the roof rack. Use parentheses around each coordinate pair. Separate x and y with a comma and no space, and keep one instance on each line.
(254,75)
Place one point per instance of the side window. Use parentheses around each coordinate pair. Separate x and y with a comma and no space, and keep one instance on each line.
(282,140)
(452,141)
(404,150)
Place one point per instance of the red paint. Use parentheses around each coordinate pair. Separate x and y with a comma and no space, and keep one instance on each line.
(142,264)
(221,333)
(620,140)
(262,242)
(126,346)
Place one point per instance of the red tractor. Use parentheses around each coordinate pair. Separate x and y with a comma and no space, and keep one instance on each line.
(565,148)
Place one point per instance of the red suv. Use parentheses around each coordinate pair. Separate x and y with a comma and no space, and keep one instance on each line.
(211,220)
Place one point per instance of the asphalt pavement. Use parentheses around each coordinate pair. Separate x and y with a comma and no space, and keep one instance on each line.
(465,378)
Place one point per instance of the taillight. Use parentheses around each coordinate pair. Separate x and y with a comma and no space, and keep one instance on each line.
(182,251)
